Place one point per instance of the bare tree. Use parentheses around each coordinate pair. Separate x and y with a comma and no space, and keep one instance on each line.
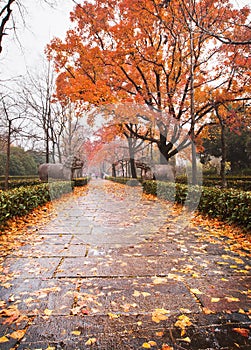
(12,124)
(9,12)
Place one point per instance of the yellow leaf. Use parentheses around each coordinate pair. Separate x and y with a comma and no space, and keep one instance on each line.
(159,280)
(196,291)
(230,299)
(136,293)
(183,322)
(76,332)
(146,346)
(187,340)
(112,316)
(207,311)
(215,300)
(48,312)
(51,348)
(241,311)
(91,341)
(3,339)
(145,294)
(18,334)
(160,315)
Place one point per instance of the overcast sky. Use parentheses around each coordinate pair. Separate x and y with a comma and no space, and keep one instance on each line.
(42,24)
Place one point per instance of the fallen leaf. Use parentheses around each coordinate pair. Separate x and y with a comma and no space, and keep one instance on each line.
(152,343)
(146,346)
(76,332)
(91,341)
(207,311)
(232,299)
(196,291)
(113,316)
(18,334)
(215,300)
(183,322)
(136,293)
(48,312)
(187,340)
(159,334)
(4,339)
(243,331)
(166,347)
(159,280)
(241,311)
(160,315)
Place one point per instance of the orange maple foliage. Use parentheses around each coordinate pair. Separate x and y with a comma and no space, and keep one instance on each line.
(141,52)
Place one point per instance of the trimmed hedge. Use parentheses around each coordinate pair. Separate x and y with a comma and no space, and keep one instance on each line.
(230,205)
(238,182)
(82,181)
(21,201)
(20,183)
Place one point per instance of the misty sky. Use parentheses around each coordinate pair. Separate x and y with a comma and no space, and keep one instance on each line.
(42,24)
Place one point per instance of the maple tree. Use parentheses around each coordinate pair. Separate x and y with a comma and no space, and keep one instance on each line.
(140,53)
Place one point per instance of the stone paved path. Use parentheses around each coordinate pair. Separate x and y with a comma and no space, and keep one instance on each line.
(113,270)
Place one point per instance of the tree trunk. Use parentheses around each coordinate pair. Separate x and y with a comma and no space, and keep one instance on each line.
(7,167)
(113,170)
(132,160)
(223,150)
(223,155)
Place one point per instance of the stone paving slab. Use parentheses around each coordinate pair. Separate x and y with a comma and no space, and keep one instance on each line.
(94,278)
(127,333)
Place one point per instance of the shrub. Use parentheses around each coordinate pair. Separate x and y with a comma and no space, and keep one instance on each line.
(82,181)
(20,201)
(20,183)
(230,205)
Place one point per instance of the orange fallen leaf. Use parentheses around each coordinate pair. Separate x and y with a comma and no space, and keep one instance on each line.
(160,315)
(243,331)
(18,334)
(166,347)
(207,311)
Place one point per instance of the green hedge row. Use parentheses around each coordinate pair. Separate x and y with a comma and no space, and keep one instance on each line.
(20,201)
(227,204)
(35,181)
(82,181)
(241,183)
(20,183)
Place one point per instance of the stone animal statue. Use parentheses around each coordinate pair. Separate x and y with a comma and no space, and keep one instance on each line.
(48,171)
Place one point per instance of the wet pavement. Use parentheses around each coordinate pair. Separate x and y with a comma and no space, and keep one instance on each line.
(115,269)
